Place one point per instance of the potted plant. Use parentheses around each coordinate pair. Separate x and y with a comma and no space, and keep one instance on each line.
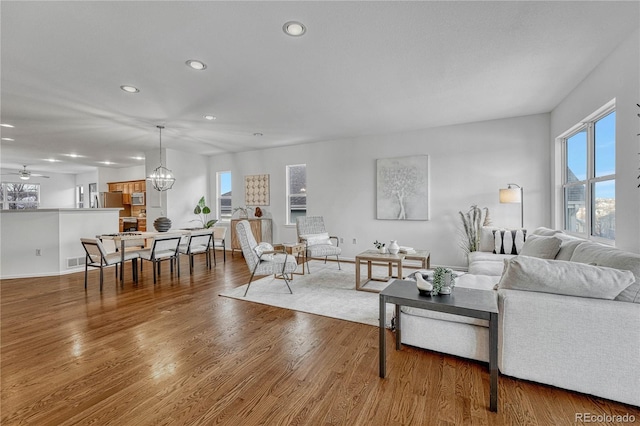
(443,281)
(244,212)
(380,246)
(203,211)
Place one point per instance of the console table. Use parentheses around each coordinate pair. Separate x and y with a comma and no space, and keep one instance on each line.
(462,301)
(260,228)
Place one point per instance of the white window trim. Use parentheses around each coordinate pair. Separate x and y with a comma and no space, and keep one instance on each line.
(287,223)
(219,194)
(588,124)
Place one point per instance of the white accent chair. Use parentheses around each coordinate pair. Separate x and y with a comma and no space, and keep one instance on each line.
(312,233)
(267,262)
(97,256)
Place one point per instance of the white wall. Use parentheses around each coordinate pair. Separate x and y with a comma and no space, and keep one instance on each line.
(616,77)
(58,191)
(469,163)
(191,184)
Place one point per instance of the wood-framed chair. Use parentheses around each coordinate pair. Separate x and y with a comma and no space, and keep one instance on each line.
(97,256)
(163,248)
(313,234)
(263,262)
(197,242)
(219,238)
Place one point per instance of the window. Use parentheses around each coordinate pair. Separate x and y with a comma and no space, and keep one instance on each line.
(589,180)
(224,196)
(296,192)
(20,196)
(79,196)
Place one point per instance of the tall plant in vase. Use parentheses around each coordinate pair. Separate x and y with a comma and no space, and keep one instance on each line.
(472,222)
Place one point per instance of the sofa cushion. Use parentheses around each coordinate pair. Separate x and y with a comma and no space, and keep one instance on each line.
(601,255)
(487,240)
(567,246)
(508,241)
(263,248)
(540,246)
(546,232)
(562,277)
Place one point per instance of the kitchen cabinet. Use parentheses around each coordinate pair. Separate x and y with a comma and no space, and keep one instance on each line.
(140,186)
(126,198)
(142,224)
(260,228)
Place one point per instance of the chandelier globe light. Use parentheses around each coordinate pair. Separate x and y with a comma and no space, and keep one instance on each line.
(161,178)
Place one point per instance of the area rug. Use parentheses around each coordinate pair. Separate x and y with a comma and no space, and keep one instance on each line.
(327,291)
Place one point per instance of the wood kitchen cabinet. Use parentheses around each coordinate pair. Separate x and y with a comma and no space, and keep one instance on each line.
(260,228)
(140,186)
(142,224)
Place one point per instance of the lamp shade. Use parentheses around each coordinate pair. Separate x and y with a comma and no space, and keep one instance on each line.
(511,195)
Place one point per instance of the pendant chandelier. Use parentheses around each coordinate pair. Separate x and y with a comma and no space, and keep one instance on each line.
(161,178)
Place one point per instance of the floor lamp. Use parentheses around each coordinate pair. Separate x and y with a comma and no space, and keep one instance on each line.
(514,195)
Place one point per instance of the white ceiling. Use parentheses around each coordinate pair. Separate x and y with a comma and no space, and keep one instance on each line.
(361,68)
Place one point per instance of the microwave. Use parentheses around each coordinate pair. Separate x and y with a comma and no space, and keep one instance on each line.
(137,199)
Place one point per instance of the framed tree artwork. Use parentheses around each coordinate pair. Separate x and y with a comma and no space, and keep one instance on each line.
(403,188)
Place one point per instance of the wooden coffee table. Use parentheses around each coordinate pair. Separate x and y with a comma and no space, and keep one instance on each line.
(371,256)
(467,302)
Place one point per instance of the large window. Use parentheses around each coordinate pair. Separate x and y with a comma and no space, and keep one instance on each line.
(19,196)
(296,192)
(224,196)
(589,180)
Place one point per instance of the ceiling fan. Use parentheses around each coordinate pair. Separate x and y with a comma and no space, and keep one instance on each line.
(26,174)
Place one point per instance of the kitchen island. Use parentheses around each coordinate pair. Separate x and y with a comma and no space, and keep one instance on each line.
(44,242)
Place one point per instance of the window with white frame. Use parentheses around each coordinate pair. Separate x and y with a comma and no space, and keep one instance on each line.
(296,192)
(79,196)
(224,210)
(589,176)
(19,196)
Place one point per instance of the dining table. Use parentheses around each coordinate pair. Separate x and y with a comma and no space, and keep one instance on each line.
(123,237)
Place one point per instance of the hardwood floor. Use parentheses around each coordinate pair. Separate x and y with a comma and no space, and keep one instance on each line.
(178,354)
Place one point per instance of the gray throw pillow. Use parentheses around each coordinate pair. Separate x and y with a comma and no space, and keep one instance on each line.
(562,277)
(542,247)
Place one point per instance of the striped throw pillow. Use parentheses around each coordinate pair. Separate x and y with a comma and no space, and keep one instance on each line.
(508,241)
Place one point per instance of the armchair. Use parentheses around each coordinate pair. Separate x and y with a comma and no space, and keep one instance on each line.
(312,232)
(263,262)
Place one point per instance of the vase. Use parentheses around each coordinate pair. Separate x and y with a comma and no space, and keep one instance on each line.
(394,248)
(448,285)
(382,250)
(258,212)
(162,224)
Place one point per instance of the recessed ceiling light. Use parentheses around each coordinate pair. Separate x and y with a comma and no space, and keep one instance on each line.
(196,65)
(294,29)
(210,117)
(130,89)
(138,158)
(73,155)
(51,160)
(105,162)
(6,125)
(8,139)
(257,134)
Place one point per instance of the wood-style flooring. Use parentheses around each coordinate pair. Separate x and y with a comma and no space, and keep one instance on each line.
(176,353)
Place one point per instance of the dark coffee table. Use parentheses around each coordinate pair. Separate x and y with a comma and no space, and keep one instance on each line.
(482,304)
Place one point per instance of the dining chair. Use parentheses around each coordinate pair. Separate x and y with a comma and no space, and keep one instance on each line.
(163,248)
(263,261)
(197,242)
(97,256)
(219,238)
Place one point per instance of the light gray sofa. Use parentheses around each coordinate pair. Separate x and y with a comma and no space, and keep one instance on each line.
(583,343)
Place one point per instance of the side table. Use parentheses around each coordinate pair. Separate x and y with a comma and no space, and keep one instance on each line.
(294,249)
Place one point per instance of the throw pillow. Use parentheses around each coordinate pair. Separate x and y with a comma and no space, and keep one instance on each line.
(262,248)
(542,247)
(487,238)
(316,239)
(508,241)
(562,277)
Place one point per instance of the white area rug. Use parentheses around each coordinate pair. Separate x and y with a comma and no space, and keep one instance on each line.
(327,291)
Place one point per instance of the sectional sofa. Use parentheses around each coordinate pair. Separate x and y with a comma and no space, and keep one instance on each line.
(569,314)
